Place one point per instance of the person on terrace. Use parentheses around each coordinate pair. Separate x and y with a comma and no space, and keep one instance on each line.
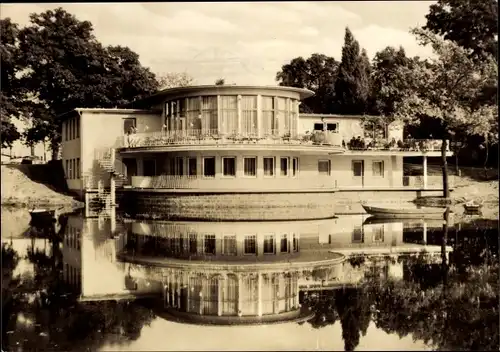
(325,124)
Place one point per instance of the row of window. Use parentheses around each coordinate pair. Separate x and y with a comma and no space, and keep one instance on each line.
(358,168)
(194,112)
(72,128)
(72,168)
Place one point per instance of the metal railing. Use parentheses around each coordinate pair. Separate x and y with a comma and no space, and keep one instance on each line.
(399,145)
(210,137)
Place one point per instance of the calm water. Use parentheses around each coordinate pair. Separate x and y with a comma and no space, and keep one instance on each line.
(400,285)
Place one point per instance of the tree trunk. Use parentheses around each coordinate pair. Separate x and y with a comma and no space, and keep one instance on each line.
(446,189)
(32,149)
(55,152)
(444,261)
(486,159)
(457,170)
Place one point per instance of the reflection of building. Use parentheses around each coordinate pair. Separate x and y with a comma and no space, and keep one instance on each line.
(218,141)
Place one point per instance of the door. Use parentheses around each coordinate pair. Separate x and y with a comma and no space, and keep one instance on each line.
(358,172)
(149,167)
(130,168)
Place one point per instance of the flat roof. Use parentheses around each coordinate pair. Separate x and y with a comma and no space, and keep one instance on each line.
(107,110)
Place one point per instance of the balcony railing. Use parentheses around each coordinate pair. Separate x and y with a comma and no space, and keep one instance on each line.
(273,137)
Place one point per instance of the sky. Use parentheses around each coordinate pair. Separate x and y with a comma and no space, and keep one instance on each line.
(242,42)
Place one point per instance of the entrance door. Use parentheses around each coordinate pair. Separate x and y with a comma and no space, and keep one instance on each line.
(358,172)
(130,168)
(149,167)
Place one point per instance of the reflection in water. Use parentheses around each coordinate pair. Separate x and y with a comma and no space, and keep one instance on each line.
(72,286)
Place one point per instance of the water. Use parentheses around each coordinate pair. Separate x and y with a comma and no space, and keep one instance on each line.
(114,284)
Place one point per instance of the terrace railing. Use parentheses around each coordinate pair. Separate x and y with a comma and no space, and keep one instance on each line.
(393,145)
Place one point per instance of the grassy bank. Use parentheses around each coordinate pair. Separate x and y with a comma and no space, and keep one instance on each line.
(28,186)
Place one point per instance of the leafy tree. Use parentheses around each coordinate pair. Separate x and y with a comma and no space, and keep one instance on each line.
(66,67)
(318,73)
(352,87)
(174,79)
(220,82)
(471,24)
(447,88)
(9,133)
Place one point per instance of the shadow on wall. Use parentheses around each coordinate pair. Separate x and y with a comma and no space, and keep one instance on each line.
(50,174)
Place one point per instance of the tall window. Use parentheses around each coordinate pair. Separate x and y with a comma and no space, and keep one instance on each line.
(67,168)
(229,166)
(282,123)
(128,123)
(78,168)
(78,127)
(269,166)
(378,168)
(250,244)
(209,167)
(294,113)
(250,167)
(324,167)
(229,113)
(268,117)
(179,166)
(295,167)
(209,113)
(193,114)
(269,244)
(357,234)
(193,243)
(229,245)
(192,167)
(284,166)
(209,244)
(249,114)
(295,240)
(71,168)
(378,233)
(284,244)
(149,167)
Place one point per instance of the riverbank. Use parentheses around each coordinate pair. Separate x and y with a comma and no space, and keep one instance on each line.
(19,190)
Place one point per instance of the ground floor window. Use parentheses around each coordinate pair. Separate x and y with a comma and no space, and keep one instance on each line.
(324,167)
(378,168)
(229,166)
(269,244)
(357,235)
(378,233)
(179,166)
(269,166)
(295,243)
(284,243)
(250,167)
(250,244)
(209,167)
(295,166)
(192,171)
(193,244)
(78,168)
(358,168)
(284,166)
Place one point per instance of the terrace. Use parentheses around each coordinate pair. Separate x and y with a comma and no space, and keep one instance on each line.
(207,137)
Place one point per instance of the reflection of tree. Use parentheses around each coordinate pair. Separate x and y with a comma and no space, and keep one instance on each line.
(325,312)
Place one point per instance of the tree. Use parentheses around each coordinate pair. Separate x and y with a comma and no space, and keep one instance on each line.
(9,133)
(447,88)
(66,67)
(220,82)
(352,87)
(174,79)
(318,73)
(471,24)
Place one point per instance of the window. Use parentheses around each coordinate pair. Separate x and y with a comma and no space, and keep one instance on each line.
(229,113)
(77,127)
(229,245)
(283,166)
(128,123)
(209,244)
(250,244)
(324,167)
(284,244)
(71,168)
(378,233)
(357,235)
(149,167)
(209,167)
(78,168)
(249,114)
(209,113)
(269,244)
(295,166)
(179,166)
(357,167)
(269,166)
(193,113)
(268,118)
(332,127)
(192,167)
(295,243)
(378,168)
(250,167)
(229,167)
(193,244)
(282,120)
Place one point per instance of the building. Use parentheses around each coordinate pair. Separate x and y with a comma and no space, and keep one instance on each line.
(188,151)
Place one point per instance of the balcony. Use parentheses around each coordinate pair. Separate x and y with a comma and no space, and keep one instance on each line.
(411,145)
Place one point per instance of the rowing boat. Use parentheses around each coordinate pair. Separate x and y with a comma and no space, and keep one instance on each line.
(405,213)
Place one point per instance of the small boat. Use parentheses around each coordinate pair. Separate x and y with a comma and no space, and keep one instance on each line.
(405,213)
(472,206)
(43,214)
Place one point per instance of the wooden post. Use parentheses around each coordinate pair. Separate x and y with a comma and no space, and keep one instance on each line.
(425,171)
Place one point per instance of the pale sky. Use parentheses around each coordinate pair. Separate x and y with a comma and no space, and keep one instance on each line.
(243,42)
